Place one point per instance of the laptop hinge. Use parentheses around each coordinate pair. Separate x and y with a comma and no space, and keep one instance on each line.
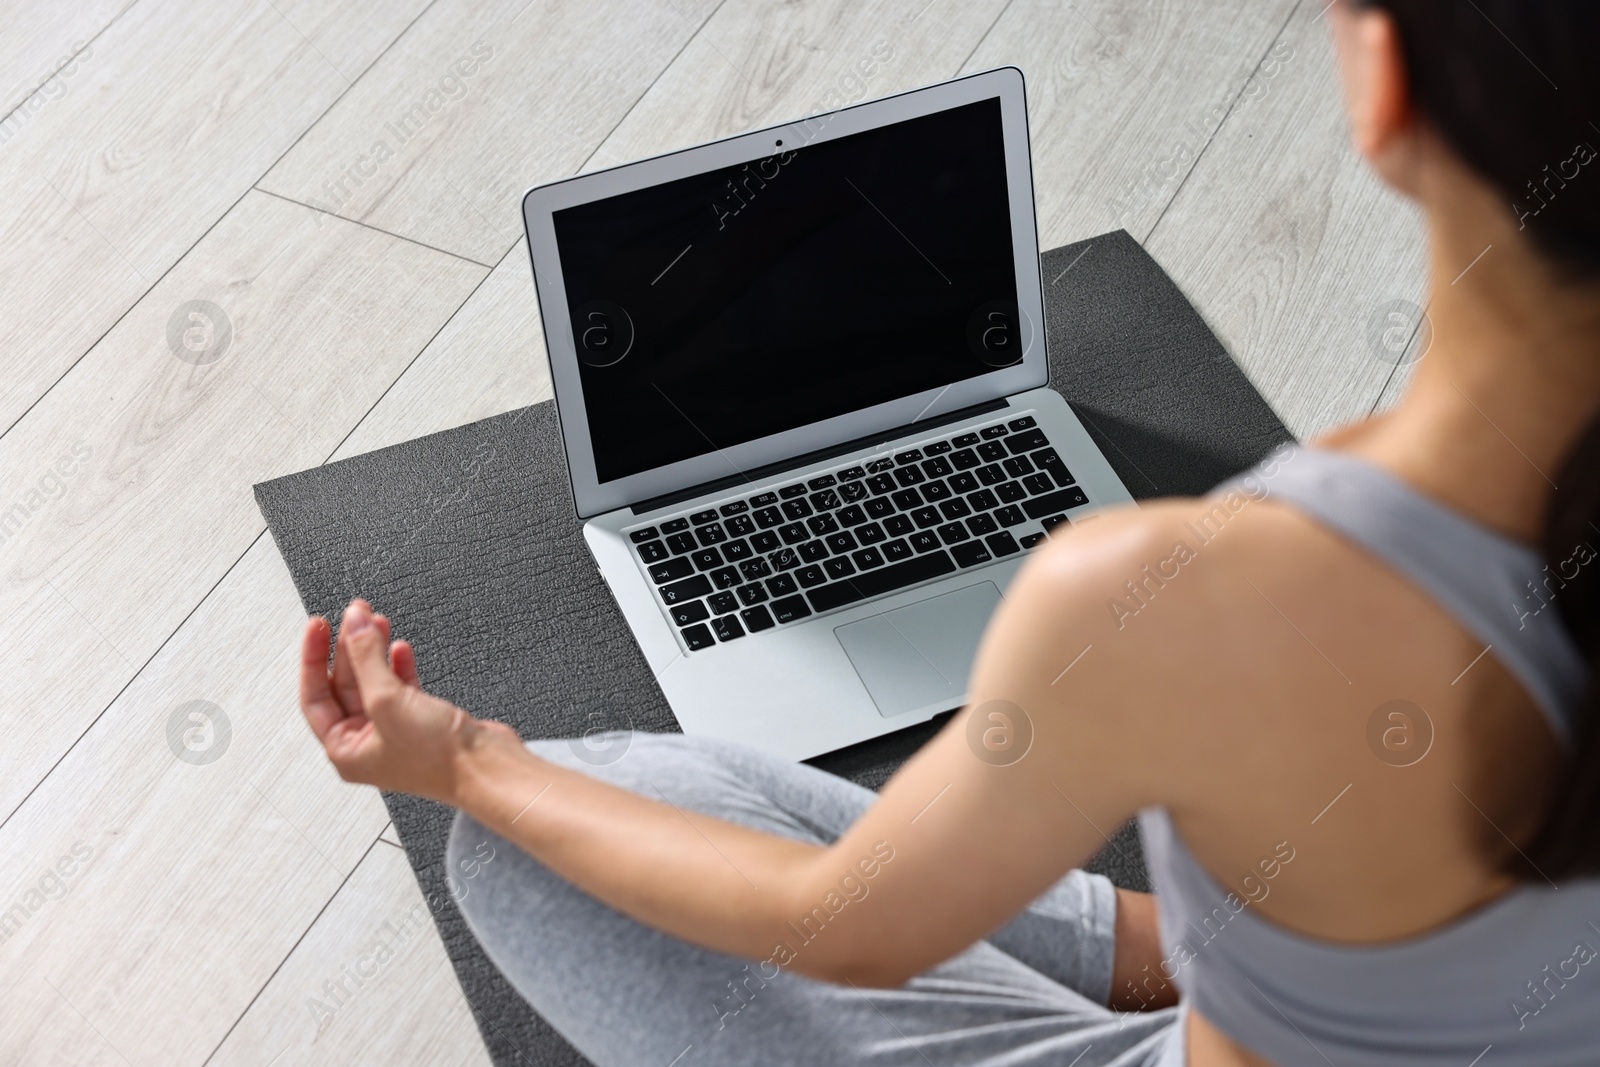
(760,473)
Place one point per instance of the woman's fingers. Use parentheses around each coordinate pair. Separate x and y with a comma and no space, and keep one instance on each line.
(344,683)
(366,644)
(404,661)
(317,702)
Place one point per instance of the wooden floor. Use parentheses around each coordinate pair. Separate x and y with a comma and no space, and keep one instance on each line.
(240,905)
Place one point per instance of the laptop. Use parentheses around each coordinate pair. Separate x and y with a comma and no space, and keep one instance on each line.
(801,381)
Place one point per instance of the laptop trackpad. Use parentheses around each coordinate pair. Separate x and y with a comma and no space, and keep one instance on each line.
(920,654)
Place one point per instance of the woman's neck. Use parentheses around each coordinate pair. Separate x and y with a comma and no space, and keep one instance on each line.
(1511,378)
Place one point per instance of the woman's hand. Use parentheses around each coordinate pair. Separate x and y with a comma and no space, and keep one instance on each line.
(374,721)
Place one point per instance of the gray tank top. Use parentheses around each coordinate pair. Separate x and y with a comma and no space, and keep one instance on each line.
(1517,981)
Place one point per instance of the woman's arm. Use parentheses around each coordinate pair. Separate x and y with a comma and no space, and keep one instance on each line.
(963,837)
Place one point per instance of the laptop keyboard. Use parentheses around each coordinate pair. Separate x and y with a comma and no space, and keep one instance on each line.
(858,532)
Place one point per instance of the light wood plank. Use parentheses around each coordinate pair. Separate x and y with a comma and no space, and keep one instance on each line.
(390,836)
(496,104)
(1123,99)
(37,50)
(369,984)
(110,183)
(1289,245)
(324,316)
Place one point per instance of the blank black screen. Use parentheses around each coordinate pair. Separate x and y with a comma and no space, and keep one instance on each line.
(724,307)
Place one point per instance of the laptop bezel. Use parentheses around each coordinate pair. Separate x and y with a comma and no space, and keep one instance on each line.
(593,497)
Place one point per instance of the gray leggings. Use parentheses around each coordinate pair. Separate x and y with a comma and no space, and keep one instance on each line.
(627,995)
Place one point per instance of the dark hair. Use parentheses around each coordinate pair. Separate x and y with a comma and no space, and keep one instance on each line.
(1511,85)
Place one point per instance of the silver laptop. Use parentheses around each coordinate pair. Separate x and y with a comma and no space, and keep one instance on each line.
(801,380)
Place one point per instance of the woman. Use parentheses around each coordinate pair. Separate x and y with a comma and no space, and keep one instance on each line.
(1354,717)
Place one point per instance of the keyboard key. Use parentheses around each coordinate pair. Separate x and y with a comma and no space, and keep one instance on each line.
(726,578)
(790,608)
(953,533)
(822,481)
(882,580)
(839,567)
(671,570)
(1033,539)
(700,518)
(991,475)
(883,483)
(1047,460)
(757,618)
(989,433)
(964,482)
(879,466)
(898,525)
(727,627)
(924,541)
(755,568)
(966,440)
(794,533)
(814,551)
(880,507)
(907,499)
(672,526)
(971,554)
(762,500)
(1027,441)
(925,517)
(981,525)
(688,589)
(936,468)
(936,491)
(766,541)
(785,560)
(1024,423)
(712,535)
(870,534)
(1051,522)
(850,474)
(850,492)
(810,576)
(826,500)
(722,603)
(653,551)
(964,460)
(738,507)
(938,448)
(1060,500)
(908,475)
(796,509)
(754,593)
(1018,466)
(822,525)
(991,451)
(910,456)
(1002,543)
(789,492)
(706,558)
(983,500)
(693,611)
(740,526)
(781,585)
(1010,492)
(896,550)
(698,637)
(1038,483)
(867,558)
(841,542)
(1010,516)
(681,543)
(649,533)
(734,551)
(955,509)
(852,515)
(767,518)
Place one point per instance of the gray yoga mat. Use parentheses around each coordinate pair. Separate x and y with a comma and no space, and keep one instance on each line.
(467,539)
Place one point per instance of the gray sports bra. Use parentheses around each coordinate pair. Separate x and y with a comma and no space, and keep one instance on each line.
(1517,981)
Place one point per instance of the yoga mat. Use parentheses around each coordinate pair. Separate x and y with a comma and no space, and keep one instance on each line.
(467,539)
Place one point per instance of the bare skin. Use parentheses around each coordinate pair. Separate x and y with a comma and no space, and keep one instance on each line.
(1237,696)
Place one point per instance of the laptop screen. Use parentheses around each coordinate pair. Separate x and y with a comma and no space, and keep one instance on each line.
(724,307)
